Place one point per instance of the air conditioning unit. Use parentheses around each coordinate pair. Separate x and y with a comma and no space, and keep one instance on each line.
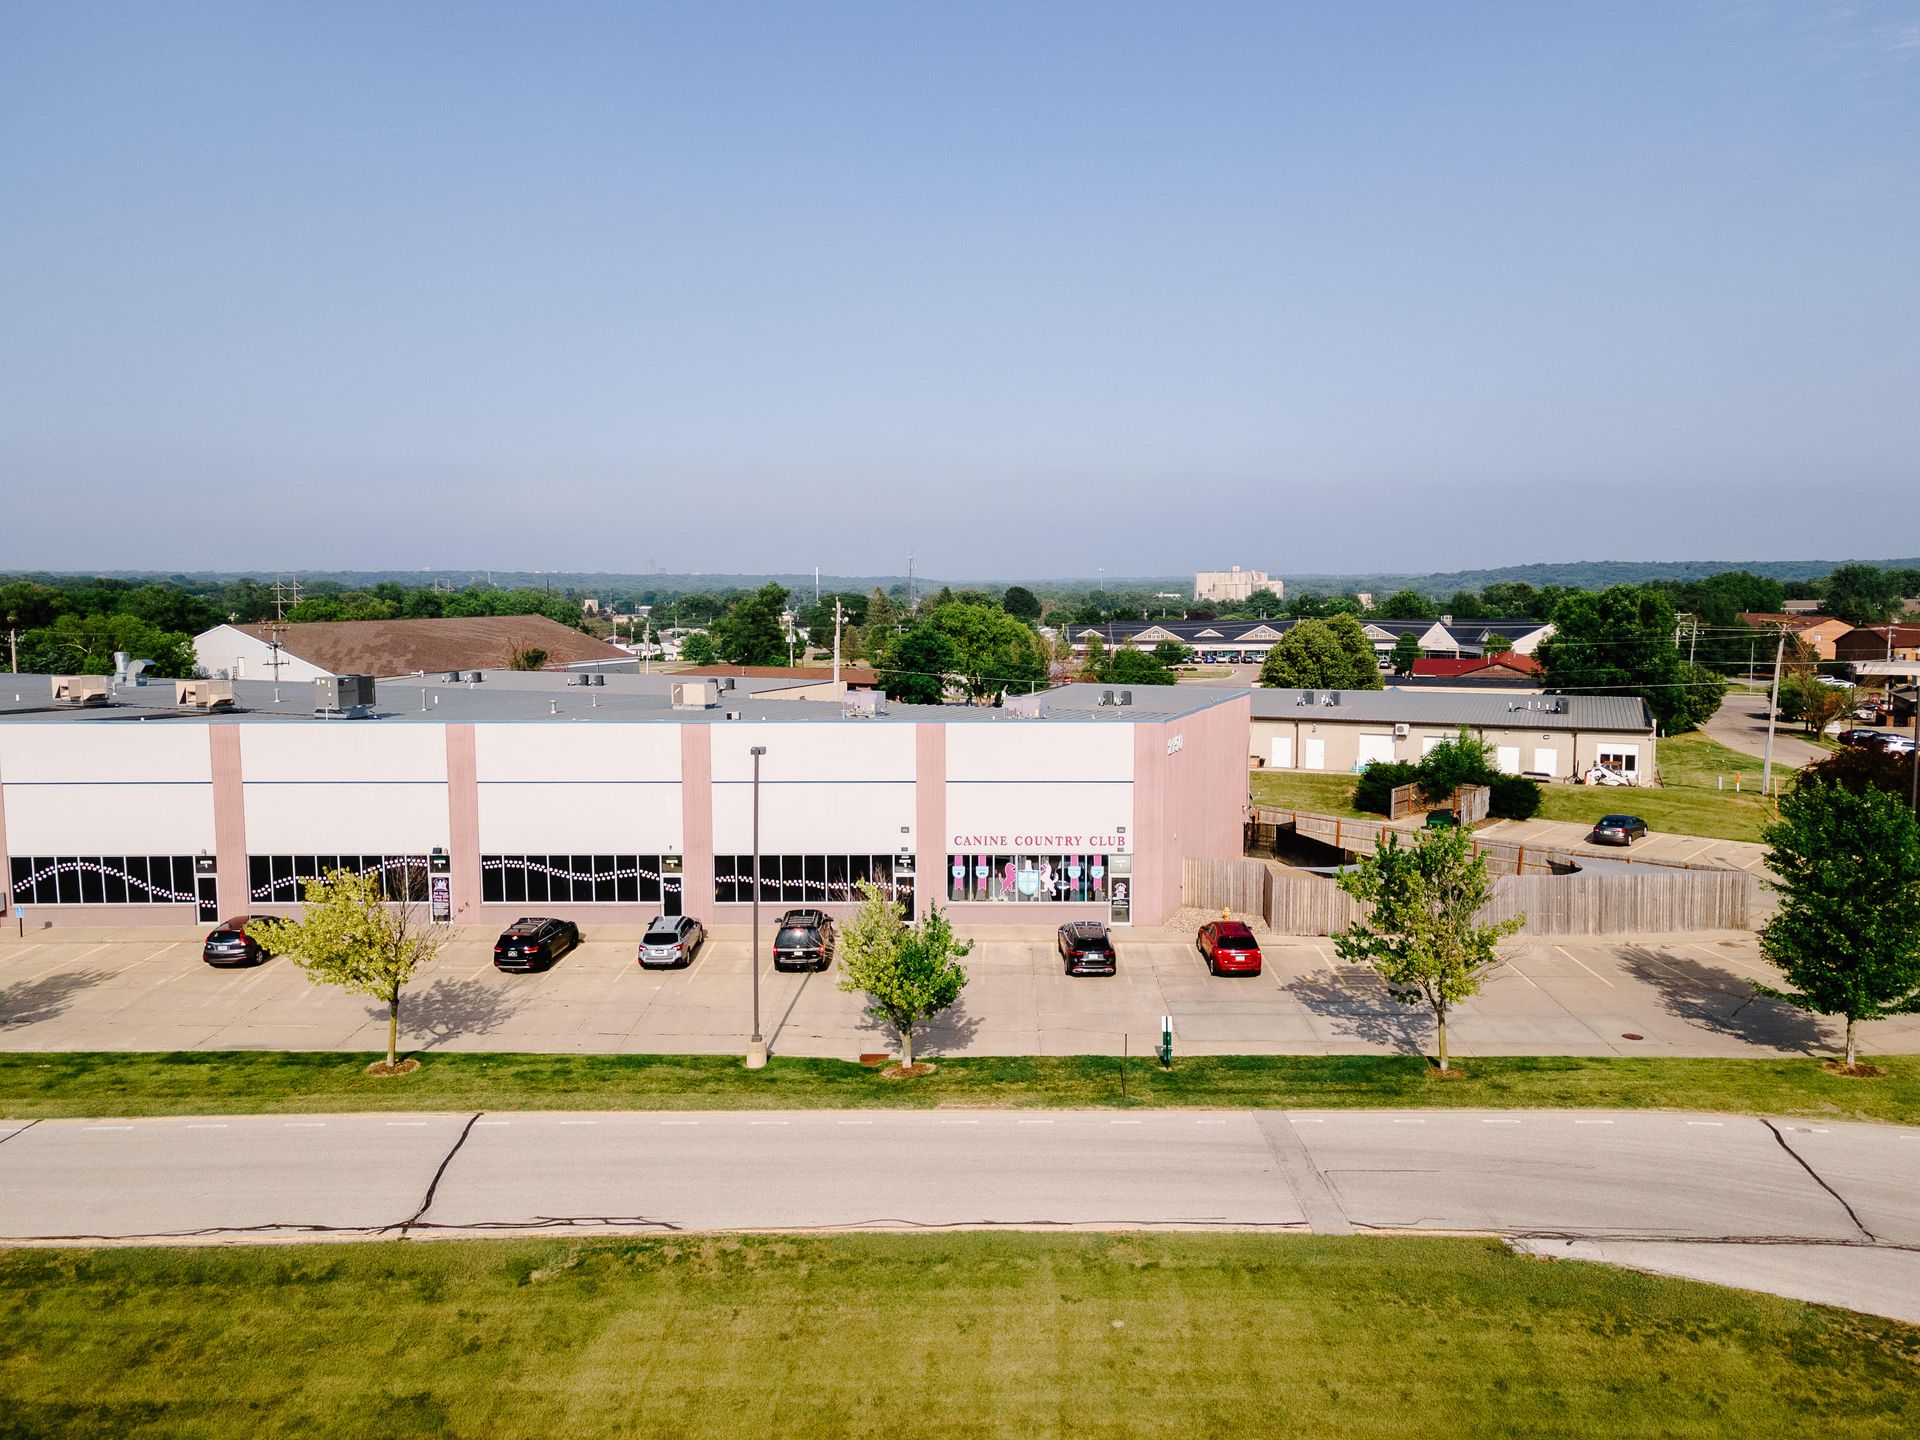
(80,689)
(203,694)
(695,695)
(1400,732)
(343,696)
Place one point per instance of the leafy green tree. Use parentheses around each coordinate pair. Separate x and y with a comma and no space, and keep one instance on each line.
(1128,666)
(351,937)
(909,973)
(1510,599)
(697,649)
(993,652)
(1021,603)
(1330,654)
(1847,934)
(1465,605)
(1421,934)
(1406,650)
(917,666)
(85,645)
(1466,759)
(1171,653)
(1862,594)
(1622,640)
(751,633)
(1093,665)
(1406,605)
(1496,645)
(1860,768)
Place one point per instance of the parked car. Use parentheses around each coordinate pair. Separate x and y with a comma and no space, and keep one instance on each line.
(228,943)
(1618,830)
(534,943)
(1861,736)
(1086,948)
(671,940)
(804,941)
(1229,948)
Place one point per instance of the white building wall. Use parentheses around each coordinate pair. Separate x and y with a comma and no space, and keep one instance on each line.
(600,789)
(241,656)
(824,789)
(107,789)
(329,786)
(1040,788)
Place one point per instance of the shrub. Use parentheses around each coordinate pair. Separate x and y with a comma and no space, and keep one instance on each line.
(1378,781)
(1514,797)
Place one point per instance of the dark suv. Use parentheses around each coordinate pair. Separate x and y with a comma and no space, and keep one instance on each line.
(534,944)
(1086,948)
(804,941)
(230,944)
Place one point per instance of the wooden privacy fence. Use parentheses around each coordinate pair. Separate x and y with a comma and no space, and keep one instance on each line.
(1651,900)
(1362,837)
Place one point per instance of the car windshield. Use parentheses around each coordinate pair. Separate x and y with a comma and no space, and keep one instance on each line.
(795,935)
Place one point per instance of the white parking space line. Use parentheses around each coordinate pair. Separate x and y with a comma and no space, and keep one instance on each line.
(1584,966)
(1522,974)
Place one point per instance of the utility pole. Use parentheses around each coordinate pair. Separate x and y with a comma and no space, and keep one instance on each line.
(13,641)
(836,647)
(756,1047)
(1773,707)
(1693,639)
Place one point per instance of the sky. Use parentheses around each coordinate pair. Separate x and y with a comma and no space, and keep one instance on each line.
(1022,290)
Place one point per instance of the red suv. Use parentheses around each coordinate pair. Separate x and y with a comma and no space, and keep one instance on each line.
(1229,948)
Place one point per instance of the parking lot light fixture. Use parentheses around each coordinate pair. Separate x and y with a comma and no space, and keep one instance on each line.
(756,1047)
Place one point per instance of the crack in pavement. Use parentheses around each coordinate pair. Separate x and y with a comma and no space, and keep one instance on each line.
(1817,1178)
(15,1134)
(434,1184)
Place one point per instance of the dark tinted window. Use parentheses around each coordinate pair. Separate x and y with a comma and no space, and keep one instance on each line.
(1237,942)
(796,935)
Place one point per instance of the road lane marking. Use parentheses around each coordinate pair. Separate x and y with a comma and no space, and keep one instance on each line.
(1499,1122)
(1712,1124)
(1209,1122)
(1033,1122)
(853,1122)
(1123,1122)
(663,1122)
(1593,1122)
(493,1122)
(106,1127)
(766,1122)
(304,1125)
(1409,1122)
(206,1127)
(405,1124)
(586,1122)
(959,1122)
(1584,966)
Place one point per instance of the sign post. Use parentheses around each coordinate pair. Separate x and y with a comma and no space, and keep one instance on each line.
(1166,1042)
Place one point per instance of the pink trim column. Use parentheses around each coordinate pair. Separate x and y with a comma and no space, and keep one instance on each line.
(930,815)
(696,820)
(463,819)
(6,861)
(229,820)
(1152,848)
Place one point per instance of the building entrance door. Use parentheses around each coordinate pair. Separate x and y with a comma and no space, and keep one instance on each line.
(1120,897)
(671,884)
(206,888)
(903,886)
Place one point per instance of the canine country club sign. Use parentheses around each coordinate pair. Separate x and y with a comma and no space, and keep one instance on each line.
(1105,844)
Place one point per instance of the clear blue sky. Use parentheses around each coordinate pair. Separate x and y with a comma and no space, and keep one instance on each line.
(1029,289)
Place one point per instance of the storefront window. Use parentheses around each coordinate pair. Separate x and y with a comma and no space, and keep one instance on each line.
(103,879)
(572,879)
(804,879)
(1060,879)
(282,879)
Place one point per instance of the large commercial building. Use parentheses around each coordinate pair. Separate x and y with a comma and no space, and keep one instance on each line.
(1248,641)
(608,802)
(1230,587)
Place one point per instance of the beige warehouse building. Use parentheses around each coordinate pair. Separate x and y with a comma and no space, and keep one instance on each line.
(1555,737)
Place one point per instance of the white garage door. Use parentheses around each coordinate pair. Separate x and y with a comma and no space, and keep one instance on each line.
(1314,755)
(1545,761)
(1376,748)
(1427,742)
(1507,757)
(1283,752)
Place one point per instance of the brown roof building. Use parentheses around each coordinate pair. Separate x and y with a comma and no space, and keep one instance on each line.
(317,649)
(1820,633)
(1880,642)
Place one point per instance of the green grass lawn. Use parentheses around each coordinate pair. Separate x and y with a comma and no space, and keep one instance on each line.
(1689,799)
(50,1085)
(1326,794)
(956,1335)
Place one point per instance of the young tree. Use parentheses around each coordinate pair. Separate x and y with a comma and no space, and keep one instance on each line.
(1171,653)
(1330,654)
(1420,934)
(697,649)
(1847,933)
(909,973)
(351,936)
(1137,667)
(1406,650)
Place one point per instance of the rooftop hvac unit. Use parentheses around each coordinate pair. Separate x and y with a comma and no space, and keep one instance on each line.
(348,697)
(203,694)
(862,703)
(1106,697)
(80,689)
(1126,697)
(474,677)
(695,695)
(598,678)
(452,677)
(1331,699)
(1400,732)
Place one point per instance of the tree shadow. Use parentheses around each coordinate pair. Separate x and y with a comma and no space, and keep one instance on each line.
(1363,1009)
(33,1002)
(451,1010)
(1723,1002)
(948,1033)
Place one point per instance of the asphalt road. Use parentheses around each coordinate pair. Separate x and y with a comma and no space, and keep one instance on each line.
(1820,1212)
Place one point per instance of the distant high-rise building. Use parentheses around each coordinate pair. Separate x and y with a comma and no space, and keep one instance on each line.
(1230,587)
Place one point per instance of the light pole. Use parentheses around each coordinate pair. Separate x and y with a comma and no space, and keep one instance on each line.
(756,1047)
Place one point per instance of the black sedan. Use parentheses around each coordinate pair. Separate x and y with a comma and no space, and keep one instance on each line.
(1086,949)
(230,944)
(534,944)
(1618,830)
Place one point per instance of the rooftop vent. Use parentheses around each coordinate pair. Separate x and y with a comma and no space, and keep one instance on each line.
(203,694)
(343,697)
(1126,697)
(860,704)
(695,695)
(474,677)
(598,678)
(1106,697)
(127,670)
(80,689)
(1331,699)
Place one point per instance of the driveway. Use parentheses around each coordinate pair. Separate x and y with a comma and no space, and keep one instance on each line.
(1659,995)
(1824,1212)
(1741,724)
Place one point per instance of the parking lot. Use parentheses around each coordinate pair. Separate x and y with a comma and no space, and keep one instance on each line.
(147,990)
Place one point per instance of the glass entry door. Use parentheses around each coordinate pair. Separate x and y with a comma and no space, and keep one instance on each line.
(1120,897)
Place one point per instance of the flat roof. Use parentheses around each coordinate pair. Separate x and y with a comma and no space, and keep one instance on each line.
(528,697)
(1500,710)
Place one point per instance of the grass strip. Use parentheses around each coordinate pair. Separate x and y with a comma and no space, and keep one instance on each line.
(922,1338)
(67,1084)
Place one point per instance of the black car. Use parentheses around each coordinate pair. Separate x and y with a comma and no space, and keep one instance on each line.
(230,944)
(1861,736)
(534,944)
(1086,949)
(804,941)
(671,940)
(1618,830)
